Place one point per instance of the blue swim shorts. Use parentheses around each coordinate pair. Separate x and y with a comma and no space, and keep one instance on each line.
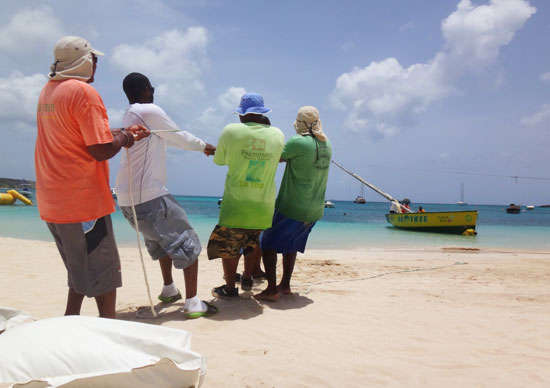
(166,230)
(286,235)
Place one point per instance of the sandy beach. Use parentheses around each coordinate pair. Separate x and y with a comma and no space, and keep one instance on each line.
(358,318)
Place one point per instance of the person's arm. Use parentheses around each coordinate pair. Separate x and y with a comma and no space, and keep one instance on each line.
(290,151)
(121,138)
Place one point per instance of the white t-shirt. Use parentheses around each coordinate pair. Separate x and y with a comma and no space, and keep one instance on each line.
(148,156)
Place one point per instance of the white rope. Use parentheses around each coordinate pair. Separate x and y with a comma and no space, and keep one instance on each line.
(137,235)
(309,285)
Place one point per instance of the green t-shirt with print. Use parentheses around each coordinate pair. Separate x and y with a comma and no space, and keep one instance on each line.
(302,193)
(252,152)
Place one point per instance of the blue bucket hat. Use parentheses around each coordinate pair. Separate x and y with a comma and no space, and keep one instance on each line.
(252,103)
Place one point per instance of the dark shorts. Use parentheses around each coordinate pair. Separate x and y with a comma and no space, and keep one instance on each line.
(91,259)
(228,243)
(286,235)
(166,230)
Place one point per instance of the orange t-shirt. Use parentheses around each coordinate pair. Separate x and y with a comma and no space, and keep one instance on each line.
(71,186)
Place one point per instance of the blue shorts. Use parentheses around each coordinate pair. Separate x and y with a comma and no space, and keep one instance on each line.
(286,235)
(166,230)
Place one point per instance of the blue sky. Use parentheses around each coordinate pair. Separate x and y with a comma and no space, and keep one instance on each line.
(416,96)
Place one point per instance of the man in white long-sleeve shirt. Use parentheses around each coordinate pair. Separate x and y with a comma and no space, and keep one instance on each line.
(169,237)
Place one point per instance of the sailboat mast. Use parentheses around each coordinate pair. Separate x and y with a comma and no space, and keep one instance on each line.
(385,195)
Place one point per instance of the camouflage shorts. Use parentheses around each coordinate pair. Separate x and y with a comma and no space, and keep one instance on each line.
(232,242)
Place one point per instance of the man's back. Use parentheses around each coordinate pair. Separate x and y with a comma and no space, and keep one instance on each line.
(252,152)
(302,192)
(70,117)
(148,157)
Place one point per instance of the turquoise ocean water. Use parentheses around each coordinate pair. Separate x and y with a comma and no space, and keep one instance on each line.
(347,225)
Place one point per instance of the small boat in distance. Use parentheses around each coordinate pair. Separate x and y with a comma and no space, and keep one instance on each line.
(462,201)
(25,189)
(513,209)
(529,207)
(113,192)
(359,199)
(329,204)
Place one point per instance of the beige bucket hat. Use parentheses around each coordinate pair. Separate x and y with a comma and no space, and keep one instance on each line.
(73,59)
(308,122)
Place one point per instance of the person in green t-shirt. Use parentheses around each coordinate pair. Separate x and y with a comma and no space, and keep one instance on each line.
(301,200)
(252,150)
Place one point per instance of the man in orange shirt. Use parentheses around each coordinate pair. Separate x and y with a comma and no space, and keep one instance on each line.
(73,145)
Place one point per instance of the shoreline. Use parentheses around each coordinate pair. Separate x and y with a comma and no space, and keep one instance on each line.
(426,248)
(357,317)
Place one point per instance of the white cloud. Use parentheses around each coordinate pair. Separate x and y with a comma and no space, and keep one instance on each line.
(115,117)
(347,46)
(213,119)
(26,35)
(540,117)
(545,77)
(384,96)
(475,34)
(408,26)
(209,118)
(174,61)
(18,97)
(231,98)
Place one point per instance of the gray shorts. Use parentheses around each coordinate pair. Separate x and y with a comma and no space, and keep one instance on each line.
(166,230)
(91,259)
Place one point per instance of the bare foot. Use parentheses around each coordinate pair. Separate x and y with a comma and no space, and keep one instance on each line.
(267,296)
(284,290)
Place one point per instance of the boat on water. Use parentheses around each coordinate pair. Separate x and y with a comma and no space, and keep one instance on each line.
(454,222)
(462,201)
(360,200)
(530,207)
(513,209)
(329,204)
(25,189)
(113,193)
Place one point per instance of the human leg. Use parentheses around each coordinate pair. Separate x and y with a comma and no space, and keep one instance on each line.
(270,264)
(106,304)
(74,302)
(257,272)
(229,271)
(289,259)
(228,290)
(228,244)
(170,292)
(92,262)
(169,238)
(190,274)
(166,270)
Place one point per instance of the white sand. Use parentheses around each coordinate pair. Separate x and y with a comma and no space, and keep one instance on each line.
(425,322)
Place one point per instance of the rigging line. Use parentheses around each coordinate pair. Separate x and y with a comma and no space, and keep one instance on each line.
(516,177)
(151,305)
(309,285)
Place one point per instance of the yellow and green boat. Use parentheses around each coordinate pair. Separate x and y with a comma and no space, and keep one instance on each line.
(456,222)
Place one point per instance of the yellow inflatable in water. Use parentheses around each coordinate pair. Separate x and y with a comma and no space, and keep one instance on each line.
(6,199)
(16,194)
